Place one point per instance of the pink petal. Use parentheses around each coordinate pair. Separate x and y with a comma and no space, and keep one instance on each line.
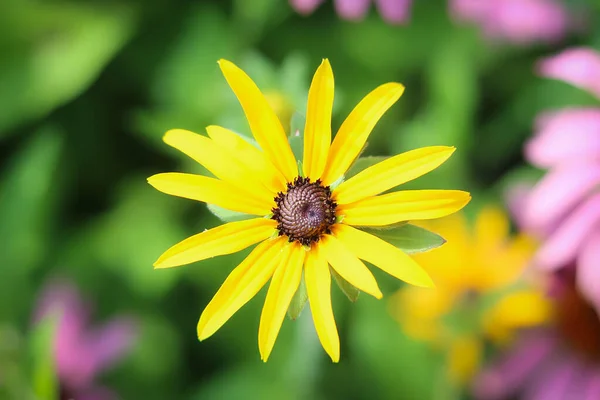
(557,194)
(526,21)
(510,374)
(61,298)
(588,268)
(593,386)
(394,11)
(565,136)
(516,198)
(353,10)
(554,380)
(470,10)
(578,66)
(563,245)
(305,7)
(110,343)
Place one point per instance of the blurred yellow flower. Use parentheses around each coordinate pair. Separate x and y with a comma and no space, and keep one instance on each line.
(481,293)
(302,223)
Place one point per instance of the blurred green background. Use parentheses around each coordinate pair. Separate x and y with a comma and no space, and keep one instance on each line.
(88,88)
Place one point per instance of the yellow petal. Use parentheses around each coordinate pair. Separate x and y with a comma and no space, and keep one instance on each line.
(240,286)
(318,286)
(283,286)
(518,310)
(263,121)
(391,173)
(225,239)
(383,255)
(206,152)
(345,263)
(464,358)
(421,311)
(317,131)
(209,190)
(353,134)
(403,206)
(248,155)
(491,228)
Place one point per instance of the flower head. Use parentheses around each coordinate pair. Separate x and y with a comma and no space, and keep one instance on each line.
(478,274)
(82,353)
(303,214)
(563,208)
(393,11)
(560,361)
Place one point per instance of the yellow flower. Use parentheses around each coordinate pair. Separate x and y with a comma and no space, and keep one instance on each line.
(303,225)
(478,266)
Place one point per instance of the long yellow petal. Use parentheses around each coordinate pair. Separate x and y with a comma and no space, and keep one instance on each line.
(283,286)
(391,173)
(218,161)
(353,134)
(241,285)
(263,121)
(209,190)
(518,310)
(345,263)
(403,206)
(463,358)
(318,287)
(248,155)
(383,255)
(492,227)
(317,131)
(225,239)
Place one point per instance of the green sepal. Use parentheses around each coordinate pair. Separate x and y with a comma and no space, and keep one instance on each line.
(346,287)
(408,238)
(298,301)
(42,368)
(362,164)
(227,215)
(337,183)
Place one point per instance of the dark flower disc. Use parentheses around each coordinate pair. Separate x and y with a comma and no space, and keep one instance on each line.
(305,211)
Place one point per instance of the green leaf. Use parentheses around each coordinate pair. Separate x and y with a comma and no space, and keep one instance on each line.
(296,137)
(362,164)
(227,215)
(69,46)
(41,356)
(409,238)
(349,290)
(298,301)
(26,199)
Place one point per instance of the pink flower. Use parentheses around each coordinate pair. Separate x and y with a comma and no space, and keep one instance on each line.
(516,21)
(579,66)
(560,362)
(393,11)
(564,207)
(82,352)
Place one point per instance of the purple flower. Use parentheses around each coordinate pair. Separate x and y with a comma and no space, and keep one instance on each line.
(560,362)
(516,21)
(564,207)
(81,351)
(392,11)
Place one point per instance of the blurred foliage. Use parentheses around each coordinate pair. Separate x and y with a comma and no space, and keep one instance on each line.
(87,89)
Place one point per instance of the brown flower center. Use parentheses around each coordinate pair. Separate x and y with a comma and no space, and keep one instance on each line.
(305,211)
(578,322)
